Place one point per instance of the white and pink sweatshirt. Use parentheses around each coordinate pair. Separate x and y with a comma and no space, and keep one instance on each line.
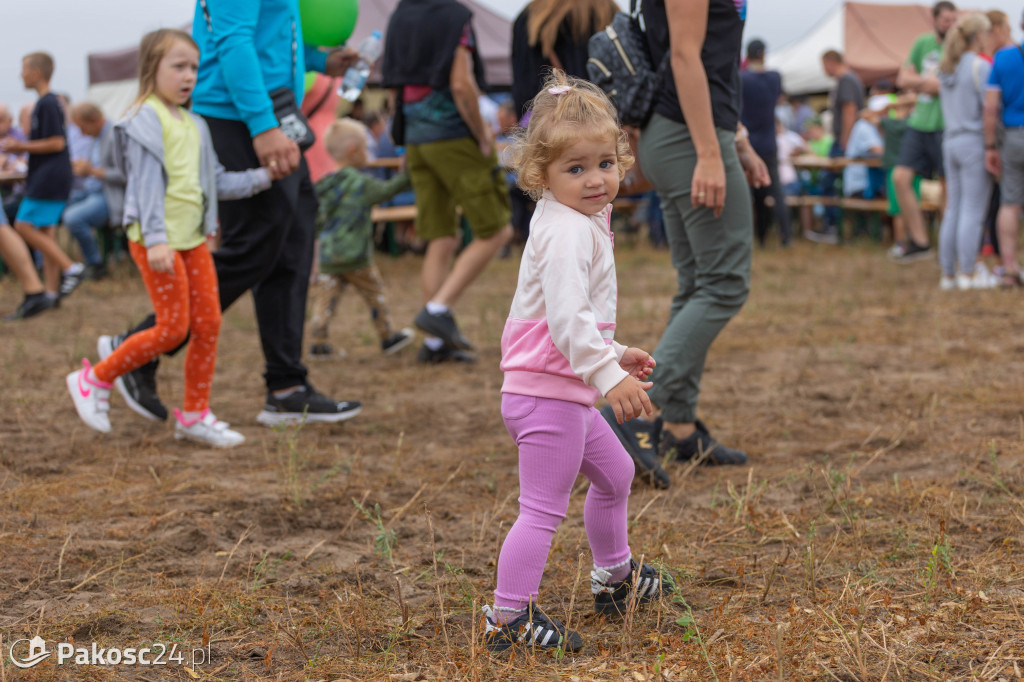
(558,339)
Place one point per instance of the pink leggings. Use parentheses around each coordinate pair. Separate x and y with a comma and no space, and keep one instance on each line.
(558,440)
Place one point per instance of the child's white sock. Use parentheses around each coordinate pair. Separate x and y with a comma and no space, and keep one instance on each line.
(433,343)
(435,308)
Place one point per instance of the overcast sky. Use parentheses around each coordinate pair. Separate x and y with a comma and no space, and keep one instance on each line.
(74,28)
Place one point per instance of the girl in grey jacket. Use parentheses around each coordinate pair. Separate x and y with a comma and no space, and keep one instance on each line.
(962,77)
(170,208)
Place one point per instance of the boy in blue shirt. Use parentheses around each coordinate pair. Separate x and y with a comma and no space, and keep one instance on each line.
(1006,93)
(47,187)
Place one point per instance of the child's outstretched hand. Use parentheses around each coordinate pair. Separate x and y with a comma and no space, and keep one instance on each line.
(638,363)
(629,399)
(160,258)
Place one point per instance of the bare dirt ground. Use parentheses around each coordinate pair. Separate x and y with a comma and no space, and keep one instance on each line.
(875,535)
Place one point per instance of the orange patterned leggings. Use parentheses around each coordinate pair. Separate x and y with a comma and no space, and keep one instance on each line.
(185,301)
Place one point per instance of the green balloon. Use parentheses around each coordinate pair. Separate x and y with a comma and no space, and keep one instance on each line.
(327,23)
(310,80)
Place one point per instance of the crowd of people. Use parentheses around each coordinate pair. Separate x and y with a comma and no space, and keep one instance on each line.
(203,153)
(952,115)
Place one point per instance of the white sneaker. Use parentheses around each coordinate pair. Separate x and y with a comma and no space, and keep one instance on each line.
(206,429)
(92,398)
(947,283)
(983,278)
(964,282)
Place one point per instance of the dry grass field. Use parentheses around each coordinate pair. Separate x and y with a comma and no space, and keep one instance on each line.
(876,534)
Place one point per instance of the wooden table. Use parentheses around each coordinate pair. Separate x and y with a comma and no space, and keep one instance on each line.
(391,162)
(11,177)
(834,164)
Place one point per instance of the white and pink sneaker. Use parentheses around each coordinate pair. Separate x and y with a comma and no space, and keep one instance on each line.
(92,398)
(207,429)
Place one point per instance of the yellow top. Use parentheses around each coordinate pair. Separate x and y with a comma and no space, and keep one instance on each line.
(183,202)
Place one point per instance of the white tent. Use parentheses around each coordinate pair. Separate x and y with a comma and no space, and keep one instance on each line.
(800,62)
(874,39)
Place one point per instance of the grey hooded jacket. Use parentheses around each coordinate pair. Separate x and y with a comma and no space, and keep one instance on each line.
(963,96)
(140,156)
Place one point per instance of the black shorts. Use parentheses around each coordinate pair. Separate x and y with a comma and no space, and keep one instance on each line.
(922,152)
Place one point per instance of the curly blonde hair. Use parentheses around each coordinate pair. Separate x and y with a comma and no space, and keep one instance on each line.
(565,110)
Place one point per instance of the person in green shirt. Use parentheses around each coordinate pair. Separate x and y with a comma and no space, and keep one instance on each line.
(921,148)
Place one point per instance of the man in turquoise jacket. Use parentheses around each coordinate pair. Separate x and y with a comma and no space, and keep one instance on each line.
(250,49)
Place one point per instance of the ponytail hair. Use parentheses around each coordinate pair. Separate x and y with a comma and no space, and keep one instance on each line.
(960,38)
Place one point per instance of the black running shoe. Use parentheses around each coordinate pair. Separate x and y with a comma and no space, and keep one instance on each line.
(442,325)
(699,444)
(321,350)
(30,306)
(532,628)
(306,404)
(397,341)
(914,252)
(615,599)
(70,280)
(137,387)
(443,354)
(640,439)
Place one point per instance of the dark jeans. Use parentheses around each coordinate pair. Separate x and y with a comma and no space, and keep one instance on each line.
(266,246)
(828,181)
(764,215)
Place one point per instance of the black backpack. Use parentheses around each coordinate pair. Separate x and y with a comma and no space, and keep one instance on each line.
(620,64)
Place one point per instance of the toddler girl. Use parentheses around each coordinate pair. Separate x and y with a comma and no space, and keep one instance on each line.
(559,357)
(173,182)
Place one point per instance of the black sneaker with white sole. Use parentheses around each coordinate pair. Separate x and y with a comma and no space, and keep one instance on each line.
(615,599)
(306,404)
(430,356)
(30,306)
(914,252)
(443,326)
(397,341)
(137,387)
(532,628)
(70,280)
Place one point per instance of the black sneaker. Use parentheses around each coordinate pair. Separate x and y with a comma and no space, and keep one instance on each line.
(321,350)
(137,387)
(442,325)
(397,341)
(97,272)
(30,306)
(305,404)
(532,628)
(699,444)
(443,354)
(640,438)
(69,281)
(615,599)
(913,252)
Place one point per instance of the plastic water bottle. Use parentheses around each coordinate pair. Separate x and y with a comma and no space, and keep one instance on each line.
(355,78)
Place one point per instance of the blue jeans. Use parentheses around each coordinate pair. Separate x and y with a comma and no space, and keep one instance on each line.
(86,211)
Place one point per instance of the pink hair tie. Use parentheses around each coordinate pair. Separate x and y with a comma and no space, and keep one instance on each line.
(559,89)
